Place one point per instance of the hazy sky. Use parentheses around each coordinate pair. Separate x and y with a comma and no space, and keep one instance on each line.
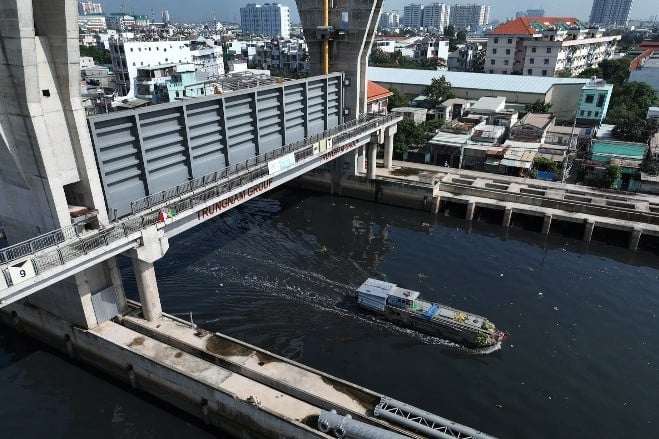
(229,10)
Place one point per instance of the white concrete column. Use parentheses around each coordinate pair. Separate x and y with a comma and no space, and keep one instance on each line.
(634,238)
(507,216)
(436,204)
(588,230)
(389,145)
(471,207)
(546,225)
(372,157)
(147,286)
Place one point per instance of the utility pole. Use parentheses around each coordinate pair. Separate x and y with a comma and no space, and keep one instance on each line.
(566,168)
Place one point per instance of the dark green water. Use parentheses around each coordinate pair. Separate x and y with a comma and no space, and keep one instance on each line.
(582,360)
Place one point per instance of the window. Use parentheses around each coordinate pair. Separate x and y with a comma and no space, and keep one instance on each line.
(491,71)
(597,113)
(532,49)
(505,62)
(531,60)
(546,60)
(505,72)
(589,99)
(589,113)
(529,71)
(494,51)
(548,49)
(507,51)
(544,73)
(492,61)
(600,100)
(496,41)
(582,112)
(510,41)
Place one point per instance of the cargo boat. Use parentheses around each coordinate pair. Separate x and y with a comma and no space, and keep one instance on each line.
(404,307)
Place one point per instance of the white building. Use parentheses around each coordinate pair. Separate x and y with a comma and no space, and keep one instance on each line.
(431,48)
(92,23)
(436,17)
(610,12)
(87,8)
(128,56)
(271,19)
(413,16)
(526,46)
(120,22)
(469,17)
(389,20)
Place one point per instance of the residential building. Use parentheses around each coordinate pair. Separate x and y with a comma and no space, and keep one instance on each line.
(413,16)
(127,56)
(271,19)
(594,102)
(645,68)
(377,98)
(389,20)
(436,17)
(531,13)
(120,22)
(610,12)
(545,46)
(92,23)
(149,79)
(431,48)
(533,127)
(462,59)
(469,17)
(291,55)
(627,155)
(87,8)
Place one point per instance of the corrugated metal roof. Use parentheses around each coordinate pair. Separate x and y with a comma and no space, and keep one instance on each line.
(475,81)
(619,149)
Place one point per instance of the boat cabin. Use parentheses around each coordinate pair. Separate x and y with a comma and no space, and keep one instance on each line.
(376,295)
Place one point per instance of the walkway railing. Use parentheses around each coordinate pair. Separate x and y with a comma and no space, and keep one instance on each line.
(58,247)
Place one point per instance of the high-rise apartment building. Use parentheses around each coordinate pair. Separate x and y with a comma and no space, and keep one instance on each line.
(610,12)
(469,17)
(271,19)
(413,16)
(89,8)
(436,16)
(389,20)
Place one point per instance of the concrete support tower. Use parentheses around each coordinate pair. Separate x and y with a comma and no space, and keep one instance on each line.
(46,159)
(352,25)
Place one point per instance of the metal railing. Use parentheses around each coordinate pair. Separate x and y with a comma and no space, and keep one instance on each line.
(59,246)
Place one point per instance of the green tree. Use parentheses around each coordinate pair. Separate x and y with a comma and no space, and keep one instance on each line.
(612,173)
(379,57)
(397,100)
(539,106)
(544,164)
(563,73)
(461,37)
(449,31)
(408,134)
(633,98)
(478,62)
(615,71)
(438,91)
(634,129)
(100,56)
(590,72)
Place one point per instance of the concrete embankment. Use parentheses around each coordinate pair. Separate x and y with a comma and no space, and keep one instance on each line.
(232,386)
(432,188)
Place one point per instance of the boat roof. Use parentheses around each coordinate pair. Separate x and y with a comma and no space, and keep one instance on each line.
(380,288)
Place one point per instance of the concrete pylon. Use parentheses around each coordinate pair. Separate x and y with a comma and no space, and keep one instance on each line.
(353,24)
(154,246)
(47,161)
(389,145)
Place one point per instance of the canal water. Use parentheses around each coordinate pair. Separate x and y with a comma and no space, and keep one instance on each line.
(279,272)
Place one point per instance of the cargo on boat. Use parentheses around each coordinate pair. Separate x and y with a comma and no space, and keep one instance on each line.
(405,308)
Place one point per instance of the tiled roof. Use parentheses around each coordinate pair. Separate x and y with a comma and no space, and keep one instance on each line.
(375,91)
(534,25)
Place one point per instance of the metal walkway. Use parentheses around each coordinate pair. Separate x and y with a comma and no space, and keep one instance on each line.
(30,266)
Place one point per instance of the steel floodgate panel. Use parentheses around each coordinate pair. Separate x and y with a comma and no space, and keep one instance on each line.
(148,150)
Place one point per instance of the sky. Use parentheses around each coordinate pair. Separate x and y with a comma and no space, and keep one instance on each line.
(229,10)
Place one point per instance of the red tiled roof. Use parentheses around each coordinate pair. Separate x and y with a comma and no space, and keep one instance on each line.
(522,25)
(637,61)
(649,44)
(375,91)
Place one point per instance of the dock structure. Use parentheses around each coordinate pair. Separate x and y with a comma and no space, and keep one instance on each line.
(432,188)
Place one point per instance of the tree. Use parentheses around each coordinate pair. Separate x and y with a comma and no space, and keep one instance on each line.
(563,73)
(478,62)
(612,173)
(449,31)
(408,133)
(397,100)
(438,91)
(615,71)
(461,37)
(379,57)
(101,56)
(539,106)
(634,129)
(590,72)
(544,164)
(633,98)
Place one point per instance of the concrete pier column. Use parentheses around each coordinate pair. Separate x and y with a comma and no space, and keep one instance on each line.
(147,286)
(471,207)
(436,204)
(507,216)
(546,224)
(389,145)
(588,230)
(372,157)
(634,238)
